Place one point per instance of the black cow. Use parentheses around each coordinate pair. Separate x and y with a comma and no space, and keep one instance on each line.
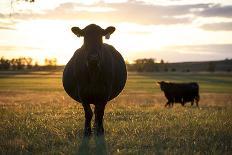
(180,92)
(95,74)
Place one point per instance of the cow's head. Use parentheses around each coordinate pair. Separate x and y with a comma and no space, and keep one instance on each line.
(93,33)
(93,41)
(162,85)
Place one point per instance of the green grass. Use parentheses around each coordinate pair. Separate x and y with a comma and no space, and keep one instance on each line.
(38,117)
(136,83)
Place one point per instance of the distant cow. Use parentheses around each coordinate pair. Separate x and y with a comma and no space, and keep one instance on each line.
(180,92)
(95,74)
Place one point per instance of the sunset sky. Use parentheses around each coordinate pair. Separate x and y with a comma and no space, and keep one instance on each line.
(173,30)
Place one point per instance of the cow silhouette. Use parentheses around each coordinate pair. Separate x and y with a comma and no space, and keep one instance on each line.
(95,74)
(180,92)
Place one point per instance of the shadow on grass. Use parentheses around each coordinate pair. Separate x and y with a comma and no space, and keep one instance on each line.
(85,146)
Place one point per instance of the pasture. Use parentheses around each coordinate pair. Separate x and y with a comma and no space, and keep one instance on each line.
(37,116)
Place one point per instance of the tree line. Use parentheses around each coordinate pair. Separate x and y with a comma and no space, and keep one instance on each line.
(151,65)
(26,63)
(148,65)
(139,65)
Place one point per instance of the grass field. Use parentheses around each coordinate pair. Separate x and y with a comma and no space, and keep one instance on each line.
(36,116)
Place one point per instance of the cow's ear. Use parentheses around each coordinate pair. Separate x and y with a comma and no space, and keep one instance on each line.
(108,31)
(158,83)
(77,31)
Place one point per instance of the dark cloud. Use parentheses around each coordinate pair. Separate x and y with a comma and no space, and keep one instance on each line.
(201,52)
(217,11)
(188,53)
(224,26)
(207,49)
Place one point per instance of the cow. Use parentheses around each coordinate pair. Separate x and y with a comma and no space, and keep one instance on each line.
(95,74)
(180,92)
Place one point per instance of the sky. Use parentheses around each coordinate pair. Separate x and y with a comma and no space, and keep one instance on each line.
(172,30)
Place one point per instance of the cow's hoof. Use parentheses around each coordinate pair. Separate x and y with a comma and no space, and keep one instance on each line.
(87,133)
(99,131)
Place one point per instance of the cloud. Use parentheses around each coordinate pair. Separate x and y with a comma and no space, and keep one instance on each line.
(217,10)
(15,48)
(190,53)
(185,53)
(131,11)
(6,28)
(2,15)
(224,26)
(5,25)
(209,49)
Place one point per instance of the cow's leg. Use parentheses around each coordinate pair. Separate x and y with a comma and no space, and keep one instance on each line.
(167,104)
(99,113)
(171,105)
(197,100)
(192,102)
(197,104)
(182,101)
(88,117)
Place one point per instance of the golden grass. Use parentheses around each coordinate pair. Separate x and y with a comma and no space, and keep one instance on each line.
(38,117)
(44,122)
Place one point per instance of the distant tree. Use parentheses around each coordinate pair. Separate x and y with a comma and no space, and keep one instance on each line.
(12,3)
(13,64)
(162,61)
(157,67)
(149,65)
(211,66)
(28,62)
(20,63)
(23,63)
(54,62)
(30,1)
(50,63)
(173,69)
(36,64)
(166,67)
(4,64)
(145,65)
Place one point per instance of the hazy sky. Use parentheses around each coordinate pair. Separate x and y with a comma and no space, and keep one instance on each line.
(174,30)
